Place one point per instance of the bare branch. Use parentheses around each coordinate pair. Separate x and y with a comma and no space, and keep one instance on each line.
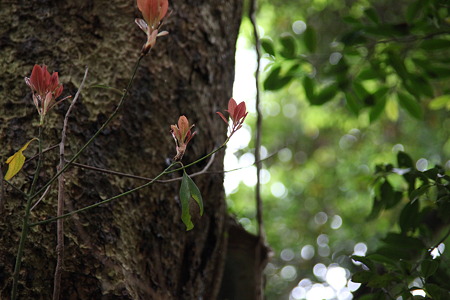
(61,192)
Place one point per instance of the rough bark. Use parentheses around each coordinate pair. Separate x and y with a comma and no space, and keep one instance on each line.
(135,247)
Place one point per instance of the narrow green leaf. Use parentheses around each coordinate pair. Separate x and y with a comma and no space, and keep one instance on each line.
(397,63)
(419,84)
(310,39)
(428,267)
(325,95)
(382,281)
(352,103)
(377,109)
(413,10)
(436,292)
(440,102)
(308,85)
(409,217)
(371,14)
(410,105)
(363,276)
(267,46)
(195,193)
(367,261)
(377,206)
(382,259)
(185,195)
(388,196)
(289,46)
(404,160)
(275,81)
(419,191)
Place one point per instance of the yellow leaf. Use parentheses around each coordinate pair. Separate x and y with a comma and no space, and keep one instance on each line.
(16,161)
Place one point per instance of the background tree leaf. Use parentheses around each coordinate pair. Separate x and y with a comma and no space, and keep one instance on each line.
(310,39)
(410,105)
(289,46)
(267,46)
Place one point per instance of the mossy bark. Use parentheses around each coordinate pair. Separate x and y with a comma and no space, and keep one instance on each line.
(135,247)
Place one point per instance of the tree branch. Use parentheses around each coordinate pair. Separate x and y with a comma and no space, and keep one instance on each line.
(61,192)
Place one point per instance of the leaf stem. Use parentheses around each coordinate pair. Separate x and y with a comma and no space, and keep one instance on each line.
(200,159)
(166,171)
(26,219)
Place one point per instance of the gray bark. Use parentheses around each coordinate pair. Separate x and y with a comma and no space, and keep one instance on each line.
(135,247)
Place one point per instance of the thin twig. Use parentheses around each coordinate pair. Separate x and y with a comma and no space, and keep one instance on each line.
(42,197)
(61,192)
(166,171)
(43,151)
(25,222)
(15,188)
(121,174)
(259,209)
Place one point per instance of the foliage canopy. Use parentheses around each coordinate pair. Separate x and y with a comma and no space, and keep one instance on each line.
(356,134)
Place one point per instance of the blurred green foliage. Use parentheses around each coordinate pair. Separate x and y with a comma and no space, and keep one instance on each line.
(350,87)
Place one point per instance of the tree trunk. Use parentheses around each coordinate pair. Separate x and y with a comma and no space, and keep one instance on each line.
(135,247)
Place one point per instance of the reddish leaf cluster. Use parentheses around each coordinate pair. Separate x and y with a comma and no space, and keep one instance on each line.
(237,112)
(46,88)
(153,11)
(182,135)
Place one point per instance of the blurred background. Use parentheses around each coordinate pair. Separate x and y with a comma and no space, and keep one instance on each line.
(354,95)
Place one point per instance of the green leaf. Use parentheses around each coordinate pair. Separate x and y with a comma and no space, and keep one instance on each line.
(435,44)
(352,103)
(399,239)
(388,196)
(397,63)
(195,193)
(383,281)
(376,257)
(16,161)
(189,189)
(325,95)
(363,276)
(410,105)
(415,194)
(275,80)
(440,102)
(267,46)
(377,206)
(371,14)
(413,10)
(428,267)
(404,160)
(417,84)
(368,262)
(409,216)
(308,85)
(376,110)
(289,46)
(310,39)
(436,292)
(185,196)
